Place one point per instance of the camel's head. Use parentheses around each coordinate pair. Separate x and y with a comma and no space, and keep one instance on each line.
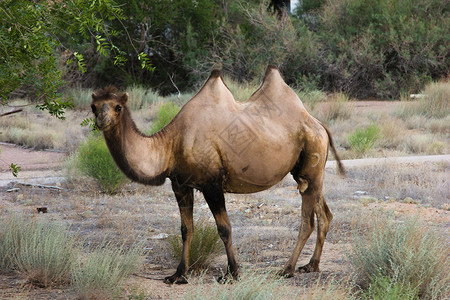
(108,106)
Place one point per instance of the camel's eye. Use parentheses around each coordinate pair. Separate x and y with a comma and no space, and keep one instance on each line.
(94,108)
(118,108)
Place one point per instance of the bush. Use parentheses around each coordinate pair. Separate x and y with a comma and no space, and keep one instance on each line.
(362,140)
(398,254)
(205,245)
(99,276)
(42,251)
(94,160)
(165,114)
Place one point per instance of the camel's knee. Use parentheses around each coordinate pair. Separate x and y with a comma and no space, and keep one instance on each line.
(224,232)
(186,232)
(327,211)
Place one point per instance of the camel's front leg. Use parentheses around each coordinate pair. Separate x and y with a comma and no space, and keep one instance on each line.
(185,199)
(216,201)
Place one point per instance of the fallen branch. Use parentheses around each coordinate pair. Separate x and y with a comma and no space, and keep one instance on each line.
(52,187)
(11,112)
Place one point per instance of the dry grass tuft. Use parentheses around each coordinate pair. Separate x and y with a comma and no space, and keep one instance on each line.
(43,251)
(405,253)
(205,245)
(336,108)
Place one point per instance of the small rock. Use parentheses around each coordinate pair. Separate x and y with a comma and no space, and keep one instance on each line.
(160,236)
(360,193)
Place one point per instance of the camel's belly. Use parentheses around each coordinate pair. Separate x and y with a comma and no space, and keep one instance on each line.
(241,184)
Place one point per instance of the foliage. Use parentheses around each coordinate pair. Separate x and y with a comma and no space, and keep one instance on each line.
(205,244)
(384,48)
(405,254)
(35,35)
(362,140)
(165,114)
(99,276)
(94,160)
(364,48)
(42,251)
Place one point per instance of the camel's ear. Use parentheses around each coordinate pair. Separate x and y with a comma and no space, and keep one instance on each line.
(123,98)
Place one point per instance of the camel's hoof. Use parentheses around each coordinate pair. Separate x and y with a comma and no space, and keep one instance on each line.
(175,279)
(227,279)
(309,268)
(285,274)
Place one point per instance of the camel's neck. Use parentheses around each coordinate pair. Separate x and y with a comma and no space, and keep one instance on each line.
(144,159)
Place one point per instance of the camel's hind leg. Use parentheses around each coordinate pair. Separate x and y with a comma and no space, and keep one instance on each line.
(306,228)
(313,202)
(324,218)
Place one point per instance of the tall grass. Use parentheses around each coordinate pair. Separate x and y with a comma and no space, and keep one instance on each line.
(405,254)
(100,275)
(435,102)
(205,245)
(336,108)
(94,160)
(81,97)
(139,97)
(43,251)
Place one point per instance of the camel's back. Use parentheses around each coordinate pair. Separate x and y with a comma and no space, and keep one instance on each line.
(254,144)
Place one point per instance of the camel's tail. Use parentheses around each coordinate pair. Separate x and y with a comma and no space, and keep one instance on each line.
(341,169)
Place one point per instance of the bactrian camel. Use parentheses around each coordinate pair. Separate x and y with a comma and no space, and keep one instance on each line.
(217,145)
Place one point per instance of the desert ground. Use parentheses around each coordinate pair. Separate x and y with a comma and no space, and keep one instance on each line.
(265,224)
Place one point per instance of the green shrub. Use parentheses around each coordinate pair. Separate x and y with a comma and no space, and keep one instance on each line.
(394,254)
(43,251)
(166,113)
(362,140)
(389,288)
(99,275)
(205,245)
(94,160)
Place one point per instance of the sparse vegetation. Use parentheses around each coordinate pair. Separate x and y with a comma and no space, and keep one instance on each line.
(94,160)
(205,245)
(401,257)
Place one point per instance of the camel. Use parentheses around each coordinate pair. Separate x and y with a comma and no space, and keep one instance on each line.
(218,145)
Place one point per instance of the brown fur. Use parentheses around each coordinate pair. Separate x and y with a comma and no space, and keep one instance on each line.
(216,145)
